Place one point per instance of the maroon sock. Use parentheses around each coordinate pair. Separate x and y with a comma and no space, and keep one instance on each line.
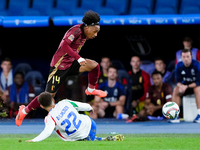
(93,77)
(32,105)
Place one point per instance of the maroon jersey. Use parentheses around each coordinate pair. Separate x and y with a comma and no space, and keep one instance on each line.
(69,48)
(159,97)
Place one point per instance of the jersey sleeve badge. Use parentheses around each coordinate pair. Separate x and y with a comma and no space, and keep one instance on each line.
(71,37)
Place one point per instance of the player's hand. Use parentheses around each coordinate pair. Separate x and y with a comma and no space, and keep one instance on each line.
(91,112)
(29,141)
(83,63)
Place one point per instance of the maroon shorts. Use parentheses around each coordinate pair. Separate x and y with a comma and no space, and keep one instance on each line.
(57,77)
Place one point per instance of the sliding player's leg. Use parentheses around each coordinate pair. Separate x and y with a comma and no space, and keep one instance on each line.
(55,79)
(94,70)
(118,137)
(24,110)
(92,135)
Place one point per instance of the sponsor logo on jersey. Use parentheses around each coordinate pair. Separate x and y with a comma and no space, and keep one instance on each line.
(183,72)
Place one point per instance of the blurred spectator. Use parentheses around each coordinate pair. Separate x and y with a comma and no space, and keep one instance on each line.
(19,93)
(161,67)
(187,73)
(157,95)
(187,44)
(6,76)
(113,103)
(105,63)
(140,84)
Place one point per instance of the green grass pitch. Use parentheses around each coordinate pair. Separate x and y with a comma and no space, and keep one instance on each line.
(131,142)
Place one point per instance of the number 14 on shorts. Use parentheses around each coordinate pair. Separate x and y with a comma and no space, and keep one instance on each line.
(56,79)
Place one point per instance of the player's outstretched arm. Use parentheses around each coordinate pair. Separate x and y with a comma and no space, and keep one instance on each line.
(81,106)
(49,127)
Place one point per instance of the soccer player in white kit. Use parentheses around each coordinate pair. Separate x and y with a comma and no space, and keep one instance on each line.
(69,125)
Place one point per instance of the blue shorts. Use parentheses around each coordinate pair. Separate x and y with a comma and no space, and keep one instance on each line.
(92,133)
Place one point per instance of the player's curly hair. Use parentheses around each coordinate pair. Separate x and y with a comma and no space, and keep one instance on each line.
(91,18)
(45,99)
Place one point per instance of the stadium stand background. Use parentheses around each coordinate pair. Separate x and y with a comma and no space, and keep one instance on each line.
(103,7)
(113,38)
(37,45)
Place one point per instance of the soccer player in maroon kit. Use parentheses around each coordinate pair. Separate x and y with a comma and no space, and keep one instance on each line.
(67,62)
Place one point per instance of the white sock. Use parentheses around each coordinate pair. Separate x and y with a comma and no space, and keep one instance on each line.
(90,90)
(24,112)
(198,111)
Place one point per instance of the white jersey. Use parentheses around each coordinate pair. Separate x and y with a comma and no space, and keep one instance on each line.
(67,122)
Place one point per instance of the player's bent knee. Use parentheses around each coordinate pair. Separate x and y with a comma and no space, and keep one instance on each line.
(91,63)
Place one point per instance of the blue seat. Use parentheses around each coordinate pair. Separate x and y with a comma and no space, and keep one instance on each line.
(18,7)
(189,6)
(141,7)
(23,67)
(148,66)
(90,4)
(87,5)
(119,6)
(31,12)
(79,11)
(106,11)
(55,12)
(165,11)
(67,6)
(168,3)
(43,6)
(118,64)
(190,10)
(3,4)
(3,11)
(139,11)
(35,78)
(166,7)
(123,74)
(185,3)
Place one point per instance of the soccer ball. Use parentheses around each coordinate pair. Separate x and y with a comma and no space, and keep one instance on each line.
(170,110)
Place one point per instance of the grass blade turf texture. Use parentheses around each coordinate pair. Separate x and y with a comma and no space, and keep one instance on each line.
(131,142)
